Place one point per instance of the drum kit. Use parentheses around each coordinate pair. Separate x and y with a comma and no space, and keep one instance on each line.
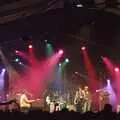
(59,105)
(56,104)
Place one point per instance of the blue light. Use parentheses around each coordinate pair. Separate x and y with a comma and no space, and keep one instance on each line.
(67,60)
(16,60)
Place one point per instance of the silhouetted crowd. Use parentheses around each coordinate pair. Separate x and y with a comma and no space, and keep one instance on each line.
(106,114)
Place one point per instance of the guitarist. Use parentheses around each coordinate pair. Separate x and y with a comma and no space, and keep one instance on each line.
(87,99)
(78,101)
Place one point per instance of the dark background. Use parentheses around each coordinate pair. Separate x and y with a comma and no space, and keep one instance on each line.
(68,28)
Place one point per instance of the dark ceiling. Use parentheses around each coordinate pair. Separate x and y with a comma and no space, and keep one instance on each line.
(68,28)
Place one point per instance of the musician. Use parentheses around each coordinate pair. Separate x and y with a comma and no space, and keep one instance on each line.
(118,108)
(50,103)
(87,99)
(78,101)
(25,103)
(103,99)
(48,100)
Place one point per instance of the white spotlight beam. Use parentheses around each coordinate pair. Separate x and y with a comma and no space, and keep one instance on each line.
(10,70)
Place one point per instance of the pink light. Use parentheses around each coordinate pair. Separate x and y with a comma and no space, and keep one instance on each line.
(16,51)
(30,46)
(116,69)
(83,48)
(108,82)
(60,52)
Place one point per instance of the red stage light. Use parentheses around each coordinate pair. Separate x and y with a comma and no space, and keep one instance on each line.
(83,48)
(30,46)
(60,52)
(116,69)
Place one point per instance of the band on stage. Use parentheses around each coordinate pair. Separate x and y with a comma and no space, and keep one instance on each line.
(81,100)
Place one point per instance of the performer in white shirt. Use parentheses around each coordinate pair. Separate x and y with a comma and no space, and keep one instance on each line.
(87,99)
(78,100)
(50,104)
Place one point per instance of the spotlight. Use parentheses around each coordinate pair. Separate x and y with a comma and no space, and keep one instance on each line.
(16,60)
(116,69)
(30,46)
(3,70)
(83,48)
(16,51)
(108,82)
(97,90)
(79,5)
(60,64)
(20,63)
(46,41)
(76,72)
(60,52)
(67,60)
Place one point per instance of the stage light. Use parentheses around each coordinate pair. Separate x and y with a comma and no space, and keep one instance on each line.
(46,41)
(116,69)
(3,70)
(79,5)
(16,60)
(67,60)
(60,52)
(16,51)
(30,46)
(76,72)
(60,64)
(20,63)
(83,48)
(97,90)
(108,82)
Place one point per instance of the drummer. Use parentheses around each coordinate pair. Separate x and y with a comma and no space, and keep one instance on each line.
(62,103)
